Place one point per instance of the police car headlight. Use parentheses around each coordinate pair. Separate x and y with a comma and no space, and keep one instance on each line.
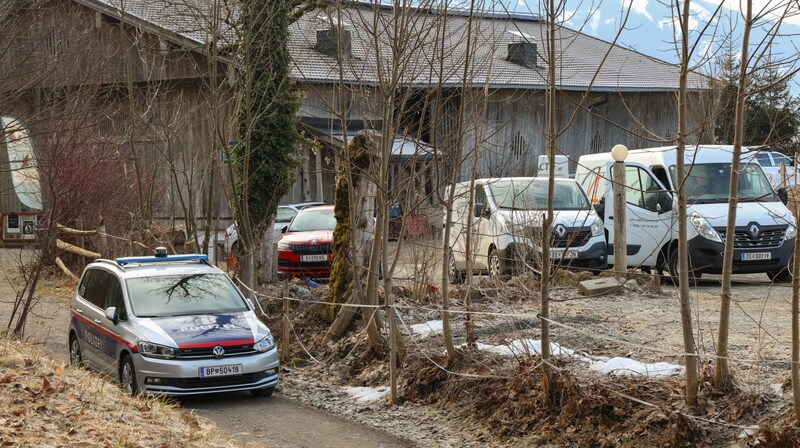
(597,227)
(266,343)
(704,228)
(156,350)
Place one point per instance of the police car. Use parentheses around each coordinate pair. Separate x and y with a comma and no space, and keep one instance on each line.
(170,325)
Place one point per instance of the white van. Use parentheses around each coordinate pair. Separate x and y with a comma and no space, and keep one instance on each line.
(765,228)
(506,218)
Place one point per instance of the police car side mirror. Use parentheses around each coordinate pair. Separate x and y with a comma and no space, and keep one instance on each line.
(783,195)
(112,314)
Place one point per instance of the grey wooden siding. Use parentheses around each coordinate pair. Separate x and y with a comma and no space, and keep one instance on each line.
(508,128)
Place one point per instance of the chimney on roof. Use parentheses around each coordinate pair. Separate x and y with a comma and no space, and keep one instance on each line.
(334,41)
(522,53)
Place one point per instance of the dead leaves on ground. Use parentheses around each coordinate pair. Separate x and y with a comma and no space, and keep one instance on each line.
(45,404)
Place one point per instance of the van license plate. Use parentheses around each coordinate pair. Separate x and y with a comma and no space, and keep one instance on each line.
(756,256)
(321,257)
(231,369)
(562,253)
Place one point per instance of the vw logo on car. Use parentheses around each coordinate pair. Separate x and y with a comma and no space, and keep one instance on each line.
(218,351)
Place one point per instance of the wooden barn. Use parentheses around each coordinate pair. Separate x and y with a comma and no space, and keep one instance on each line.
(133,102)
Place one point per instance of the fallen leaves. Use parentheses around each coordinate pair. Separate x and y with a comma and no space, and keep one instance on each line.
(45,404)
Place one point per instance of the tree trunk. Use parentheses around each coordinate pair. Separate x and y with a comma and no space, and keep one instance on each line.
(547,374)
(796,323)
(683,254)
(722,376)
(266,256)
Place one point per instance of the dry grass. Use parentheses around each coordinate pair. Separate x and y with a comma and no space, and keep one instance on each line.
(46,404)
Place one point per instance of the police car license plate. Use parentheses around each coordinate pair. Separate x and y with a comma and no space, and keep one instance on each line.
(320,257)
(231,369)
(564,253)
(756,256)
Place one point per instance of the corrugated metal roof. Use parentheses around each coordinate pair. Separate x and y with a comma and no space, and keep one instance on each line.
(433,48)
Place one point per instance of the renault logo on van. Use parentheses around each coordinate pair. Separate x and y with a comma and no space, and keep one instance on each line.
(218,351)
(560,230)
(755,231)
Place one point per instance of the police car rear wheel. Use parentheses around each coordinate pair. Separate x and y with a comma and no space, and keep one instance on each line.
(127,376)
(75,357)
(263,392)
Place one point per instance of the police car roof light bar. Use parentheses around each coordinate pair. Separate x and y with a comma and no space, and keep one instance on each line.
(160,259)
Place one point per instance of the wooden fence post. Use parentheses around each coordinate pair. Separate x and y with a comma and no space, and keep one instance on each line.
(81,244)
(286,330)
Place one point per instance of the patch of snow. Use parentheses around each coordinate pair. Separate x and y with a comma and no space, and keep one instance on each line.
(614,366)
(628,366)
(426,329)
(525,347)
(366,394)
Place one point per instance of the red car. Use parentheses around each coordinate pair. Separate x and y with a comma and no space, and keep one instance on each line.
(305,249)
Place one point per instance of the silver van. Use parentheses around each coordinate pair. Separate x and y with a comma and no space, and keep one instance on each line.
(507,221)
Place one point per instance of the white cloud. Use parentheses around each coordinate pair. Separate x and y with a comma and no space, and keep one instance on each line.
(611,21)
(775,7)
(640,7)
(594,22)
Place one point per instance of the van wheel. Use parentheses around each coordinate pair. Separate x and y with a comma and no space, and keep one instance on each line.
(784,275)
(672,268)
(495,265)
(127,376)
(454,276)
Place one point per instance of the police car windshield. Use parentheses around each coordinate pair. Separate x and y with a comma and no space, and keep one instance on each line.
(709,183)
(174,295)
(527,194)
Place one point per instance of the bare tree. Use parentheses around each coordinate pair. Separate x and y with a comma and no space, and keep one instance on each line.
(749,62)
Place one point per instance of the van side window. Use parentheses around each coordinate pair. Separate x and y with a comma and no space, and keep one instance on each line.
(763,159)
(661,174)
(641,188)
(480,196)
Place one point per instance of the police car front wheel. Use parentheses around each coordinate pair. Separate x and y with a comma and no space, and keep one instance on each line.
(127,376)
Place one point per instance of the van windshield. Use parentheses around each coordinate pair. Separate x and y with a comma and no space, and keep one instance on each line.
(708,183)
(528,194)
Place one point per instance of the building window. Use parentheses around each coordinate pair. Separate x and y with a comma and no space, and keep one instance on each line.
(55,41)
(519,147)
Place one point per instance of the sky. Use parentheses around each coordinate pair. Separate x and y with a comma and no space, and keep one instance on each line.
(650,29)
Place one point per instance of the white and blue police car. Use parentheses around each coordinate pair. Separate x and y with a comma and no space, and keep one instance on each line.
(170,325)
